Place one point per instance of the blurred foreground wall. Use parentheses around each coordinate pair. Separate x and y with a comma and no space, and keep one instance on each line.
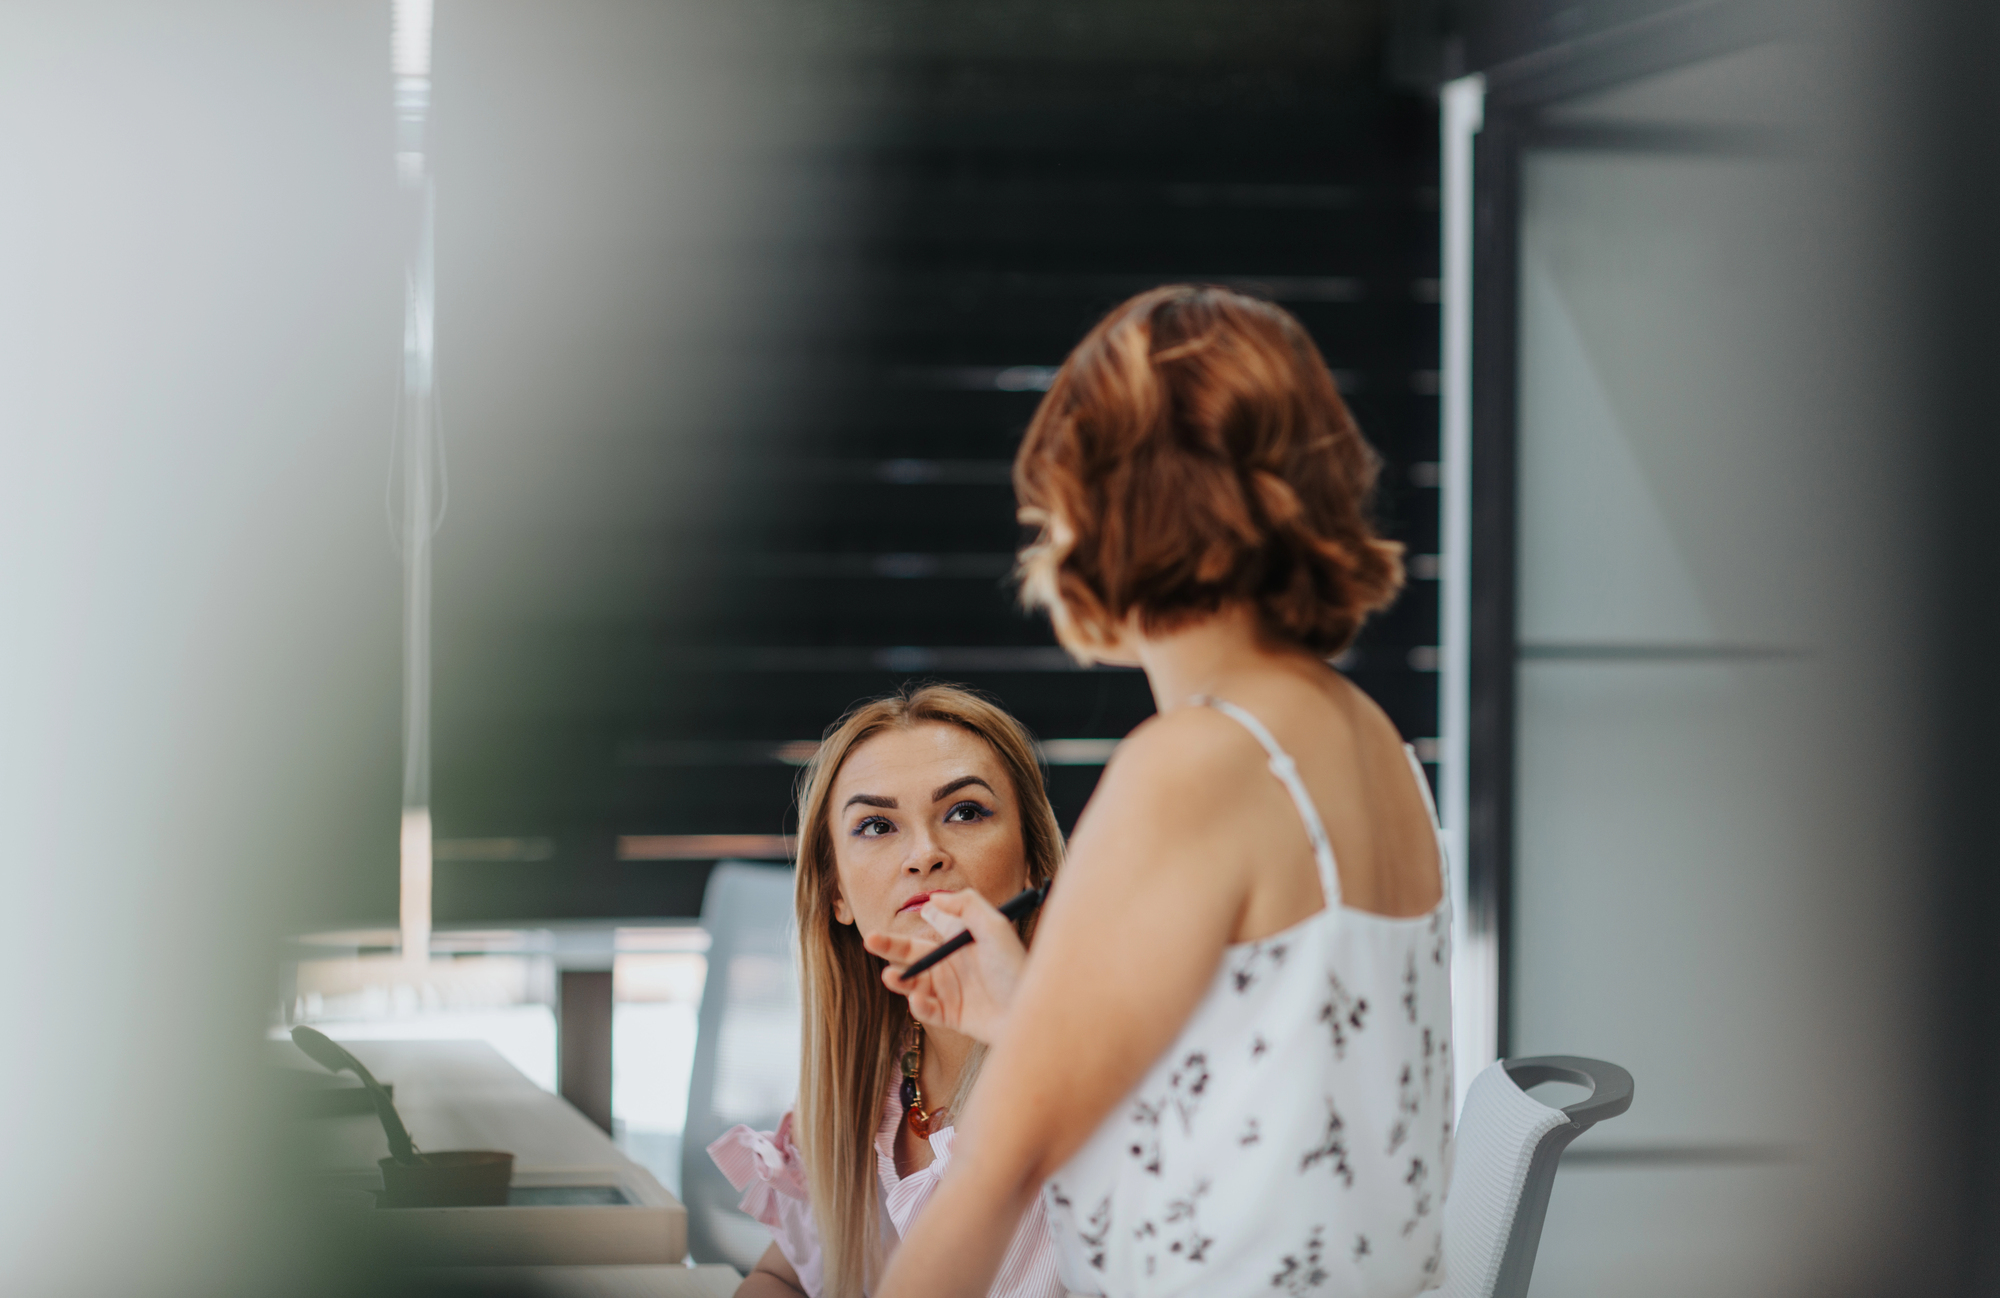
(1719,770)
(200,323)
(199,314)
(197,672)
(1744,659)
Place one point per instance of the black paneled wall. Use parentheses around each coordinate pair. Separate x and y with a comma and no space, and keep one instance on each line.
(859,537)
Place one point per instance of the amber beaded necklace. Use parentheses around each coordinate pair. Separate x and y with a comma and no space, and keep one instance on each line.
(922,1120)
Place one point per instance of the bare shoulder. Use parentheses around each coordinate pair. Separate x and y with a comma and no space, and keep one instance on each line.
(1183,767)
(1360,713)
(1313,707)
(1162,805)
(1190,759)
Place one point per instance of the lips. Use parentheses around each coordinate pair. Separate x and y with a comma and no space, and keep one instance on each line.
(913,902)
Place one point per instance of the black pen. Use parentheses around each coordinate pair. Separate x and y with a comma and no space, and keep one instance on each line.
(1017,907)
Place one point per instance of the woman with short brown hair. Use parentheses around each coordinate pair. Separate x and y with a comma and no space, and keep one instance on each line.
(1226,1068)
(1194,455)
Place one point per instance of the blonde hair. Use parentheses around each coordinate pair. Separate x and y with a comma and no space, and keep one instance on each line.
(854,1027)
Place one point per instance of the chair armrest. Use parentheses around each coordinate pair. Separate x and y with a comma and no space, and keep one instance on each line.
(1610,1095)
(1610,1086)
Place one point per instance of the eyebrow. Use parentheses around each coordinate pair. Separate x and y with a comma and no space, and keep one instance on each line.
(944,791)
(938,794)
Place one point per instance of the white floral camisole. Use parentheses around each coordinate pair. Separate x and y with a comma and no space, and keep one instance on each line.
(1296,1137)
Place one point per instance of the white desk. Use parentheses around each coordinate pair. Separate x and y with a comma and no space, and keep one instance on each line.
(463,1095)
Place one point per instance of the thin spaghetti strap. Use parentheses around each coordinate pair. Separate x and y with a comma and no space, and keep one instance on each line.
(1287,772)
(1430,806)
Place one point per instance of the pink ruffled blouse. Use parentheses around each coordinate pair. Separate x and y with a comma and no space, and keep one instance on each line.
(765,1165)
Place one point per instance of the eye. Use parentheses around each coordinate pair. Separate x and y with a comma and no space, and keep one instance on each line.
(874,827)
(966,813)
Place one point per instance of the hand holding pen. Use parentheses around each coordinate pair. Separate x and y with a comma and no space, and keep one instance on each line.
(967,992)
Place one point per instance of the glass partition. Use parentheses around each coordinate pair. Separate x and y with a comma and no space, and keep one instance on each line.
(1688,630)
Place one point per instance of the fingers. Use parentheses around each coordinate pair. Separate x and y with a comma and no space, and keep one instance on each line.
(948,912)
(958,902)
(922,996)
(896,948)
(901,952)
(947,924)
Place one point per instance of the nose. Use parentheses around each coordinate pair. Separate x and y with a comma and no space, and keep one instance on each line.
(927,856)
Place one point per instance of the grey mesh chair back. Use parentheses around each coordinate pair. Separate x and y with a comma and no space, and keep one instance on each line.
(746,1055)
(1504,1166)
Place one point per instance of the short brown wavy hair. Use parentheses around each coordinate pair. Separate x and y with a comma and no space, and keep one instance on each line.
(1193,453)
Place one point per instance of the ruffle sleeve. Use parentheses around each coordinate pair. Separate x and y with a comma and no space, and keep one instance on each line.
(766,1166)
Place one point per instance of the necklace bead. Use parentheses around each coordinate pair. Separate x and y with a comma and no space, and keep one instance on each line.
(920,1118)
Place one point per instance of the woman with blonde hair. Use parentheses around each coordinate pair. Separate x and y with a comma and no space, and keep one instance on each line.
(1225,1068)
(913,806)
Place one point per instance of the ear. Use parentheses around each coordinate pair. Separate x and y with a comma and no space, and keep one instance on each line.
(840,910)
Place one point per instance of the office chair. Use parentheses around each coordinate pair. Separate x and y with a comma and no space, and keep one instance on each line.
(746,1054)
(1504,1166)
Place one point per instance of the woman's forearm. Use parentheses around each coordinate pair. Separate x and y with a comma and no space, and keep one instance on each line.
(772,1277)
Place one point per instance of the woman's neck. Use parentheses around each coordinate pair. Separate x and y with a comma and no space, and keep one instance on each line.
(1198,658)
(945,1053)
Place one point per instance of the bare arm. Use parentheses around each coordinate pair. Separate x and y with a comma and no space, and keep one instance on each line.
(1134,932)
(772,1277)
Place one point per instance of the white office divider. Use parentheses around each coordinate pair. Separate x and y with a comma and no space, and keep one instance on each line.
(746,1056)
